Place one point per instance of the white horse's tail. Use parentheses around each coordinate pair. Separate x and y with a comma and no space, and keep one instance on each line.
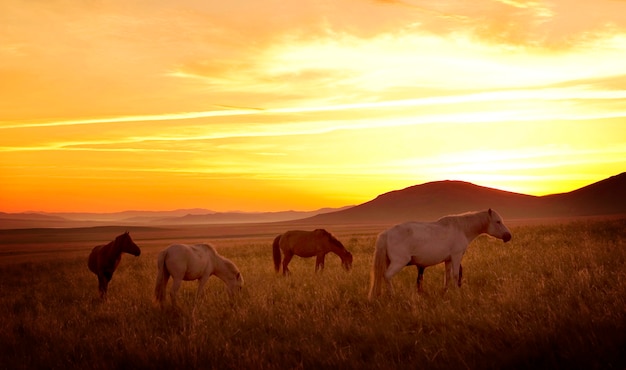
(162,277)
(379,266)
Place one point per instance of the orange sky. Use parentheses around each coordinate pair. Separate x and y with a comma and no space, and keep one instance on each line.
(273,105)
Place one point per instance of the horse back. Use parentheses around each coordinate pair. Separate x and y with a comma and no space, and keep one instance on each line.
(188,262)
(424,243)
(299,242)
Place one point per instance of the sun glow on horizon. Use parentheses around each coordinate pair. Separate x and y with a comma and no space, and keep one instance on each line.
(189,106)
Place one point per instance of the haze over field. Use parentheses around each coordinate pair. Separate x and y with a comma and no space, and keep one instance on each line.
(273,105)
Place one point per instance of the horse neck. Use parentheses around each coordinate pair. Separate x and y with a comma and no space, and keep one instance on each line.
(221,269)
(341,252)
(474,225)
(113,249)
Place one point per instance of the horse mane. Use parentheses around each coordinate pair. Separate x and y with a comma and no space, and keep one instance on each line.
(225,261)
(121,237)
(330,236)
(472,220)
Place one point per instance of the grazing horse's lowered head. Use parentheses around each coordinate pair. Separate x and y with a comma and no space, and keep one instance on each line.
(336,247)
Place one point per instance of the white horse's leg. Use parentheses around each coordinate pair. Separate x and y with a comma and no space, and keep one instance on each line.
(453,267)
(201,283)
(447,276)
(393,268)
(199,293)
(456,270)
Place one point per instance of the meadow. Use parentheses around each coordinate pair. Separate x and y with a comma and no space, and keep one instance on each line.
(553,297)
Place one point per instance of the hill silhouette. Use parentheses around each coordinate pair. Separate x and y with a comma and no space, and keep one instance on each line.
(425,202)
(429,201)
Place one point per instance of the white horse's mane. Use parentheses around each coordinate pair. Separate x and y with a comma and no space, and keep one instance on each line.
(461,217)
(475,220)
(218,257)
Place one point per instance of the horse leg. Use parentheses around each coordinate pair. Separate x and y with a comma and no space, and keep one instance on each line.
(447,275)
(201,283)
(199,293)
(175,286)
(319,262)
(420,278)
(103,282)
(393,268)
(460,274)
(453,267)
(286,261)
(456,270)
(102,286)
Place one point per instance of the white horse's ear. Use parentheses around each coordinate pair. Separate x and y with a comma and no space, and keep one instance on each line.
(489,211)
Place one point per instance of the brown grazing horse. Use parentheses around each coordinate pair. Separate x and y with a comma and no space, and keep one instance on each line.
(308,244)
(103,259)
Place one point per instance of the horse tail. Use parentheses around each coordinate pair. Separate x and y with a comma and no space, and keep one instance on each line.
(379,266)
(162,276)
(276,253)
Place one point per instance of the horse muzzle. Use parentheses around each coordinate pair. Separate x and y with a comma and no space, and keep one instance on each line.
(506,237)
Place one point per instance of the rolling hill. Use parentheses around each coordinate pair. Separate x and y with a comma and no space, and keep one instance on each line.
(425,202)
(432,200)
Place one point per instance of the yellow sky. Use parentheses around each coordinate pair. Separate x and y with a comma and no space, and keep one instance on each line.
(274,105)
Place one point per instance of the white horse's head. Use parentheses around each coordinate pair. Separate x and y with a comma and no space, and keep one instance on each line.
(235,284)
(496,227)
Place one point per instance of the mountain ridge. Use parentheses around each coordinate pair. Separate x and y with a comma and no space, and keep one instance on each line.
(423,202)
(432,200)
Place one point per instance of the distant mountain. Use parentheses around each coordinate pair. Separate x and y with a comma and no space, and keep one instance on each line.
(432,200)
(29,220)
(130,216)
(241,217)
(148,218)
(423,202)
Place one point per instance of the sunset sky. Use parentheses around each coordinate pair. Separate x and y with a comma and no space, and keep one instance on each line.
(274,105)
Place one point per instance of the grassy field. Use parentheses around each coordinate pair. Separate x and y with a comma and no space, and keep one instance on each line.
(554,297)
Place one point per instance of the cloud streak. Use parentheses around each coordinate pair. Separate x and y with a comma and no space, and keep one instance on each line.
(297,95)
(548,94)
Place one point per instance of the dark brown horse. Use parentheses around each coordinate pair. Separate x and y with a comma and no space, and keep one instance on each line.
(308,244)
(103,259)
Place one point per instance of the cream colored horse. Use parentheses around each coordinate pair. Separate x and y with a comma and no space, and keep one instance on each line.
(425,244)
(193,262)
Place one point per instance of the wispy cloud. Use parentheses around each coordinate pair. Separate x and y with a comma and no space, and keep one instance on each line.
(306,93)
(545,94)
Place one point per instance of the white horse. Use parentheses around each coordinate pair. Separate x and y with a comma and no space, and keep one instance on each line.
(193,262)
(425,244)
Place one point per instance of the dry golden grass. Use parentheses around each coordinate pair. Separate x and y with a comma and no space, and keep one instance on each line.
(554,297)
